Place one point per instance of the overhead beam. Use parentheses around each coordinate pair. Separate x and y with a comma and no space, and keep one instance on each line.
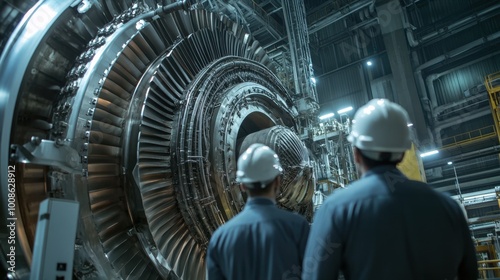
(342,13)
(471,184)
(260,15)
(462,157)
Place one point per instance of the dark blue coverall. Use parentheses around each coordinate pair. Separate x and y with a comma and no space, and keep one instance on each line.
(261,242)
(385,226)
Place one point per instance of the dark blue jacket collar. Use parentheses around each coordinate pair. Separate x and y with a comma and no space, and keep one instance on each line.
(383,169)
(256,201)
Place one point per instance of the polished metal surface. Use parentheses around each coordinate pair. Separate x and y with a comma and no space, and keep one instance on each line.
(298,180)
(139,112)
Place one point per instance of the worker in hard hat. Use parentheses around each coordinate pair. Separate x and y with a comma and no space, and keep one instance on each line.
(385,226)
(263,241)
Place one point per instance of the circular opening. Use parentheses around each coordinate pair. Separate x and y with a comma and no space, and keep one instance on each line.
(254,122)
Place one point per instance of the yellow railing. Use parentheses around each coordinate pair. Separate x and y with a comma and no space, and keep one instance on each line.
(489,82)
(468,137)
(483,268)
(494,94)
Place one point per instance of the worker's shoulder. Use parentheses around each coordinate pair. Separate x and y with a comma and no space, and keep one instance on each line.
(355,191)
(415,187)
(340,198)
(237,221)
(445,198)
(245,221)
(291,216)
(382,186)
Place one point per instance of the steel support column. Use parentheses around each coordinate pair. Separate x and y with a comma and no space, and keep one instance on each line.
(405,89)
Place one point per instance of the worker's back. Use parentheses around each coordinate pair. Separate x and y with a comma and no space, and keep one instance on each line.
(261,242)
(385,226)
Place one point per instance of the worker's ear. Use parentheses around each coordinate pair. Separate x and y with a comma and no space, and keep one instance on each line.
(276,184)
(357,155)
(243,188)
(278,179)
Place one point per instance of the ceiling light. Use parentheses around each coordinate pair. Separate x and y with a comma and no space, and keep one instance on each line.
(429,153)
(369,63)
(345,110)
(410,125)
(326,116)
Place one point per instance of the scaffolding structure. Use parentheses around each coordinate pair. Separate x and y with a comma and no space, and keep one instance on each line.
(298,38)
(337,168)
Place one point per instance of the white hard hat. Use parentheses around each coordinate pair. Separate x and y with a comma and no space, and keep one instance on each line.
(381,126)
(258,164)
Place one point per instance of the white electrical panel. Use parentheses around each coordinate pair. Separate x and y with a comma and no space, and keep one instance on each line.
(55,240)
